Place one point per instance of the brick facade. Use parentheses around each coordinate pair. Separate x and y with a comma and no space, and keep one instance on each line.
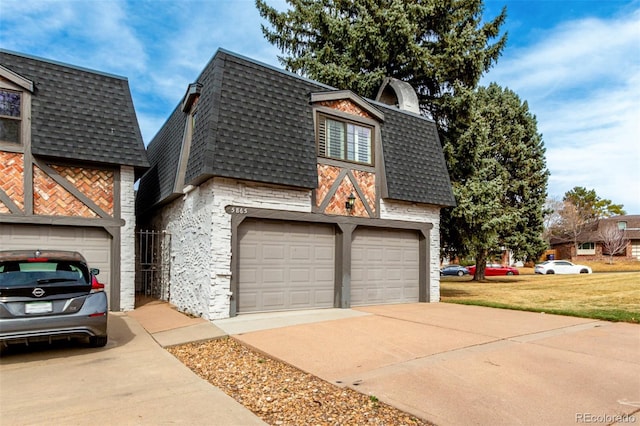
(11,178)
(49,197)
(331,182)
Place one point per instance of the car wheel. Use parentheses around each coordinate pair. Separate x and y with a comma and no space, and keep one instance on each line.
(584,271)
(550,271)
(509,273)
(460,273)
(97,341)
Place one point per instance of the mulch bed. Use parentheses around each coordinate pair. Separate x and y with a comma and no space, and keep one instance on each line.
(281,394)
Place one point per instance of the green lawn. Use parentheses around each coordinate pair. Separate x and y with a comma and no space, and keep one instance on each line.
(610,296)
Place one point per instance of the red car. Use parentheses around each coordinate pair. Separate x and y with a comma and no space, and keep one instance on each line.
(493,269)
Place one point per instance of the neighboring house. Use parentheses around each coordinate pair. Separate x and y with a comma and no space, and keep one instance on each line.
(281,193)
(590,241)
(70,152)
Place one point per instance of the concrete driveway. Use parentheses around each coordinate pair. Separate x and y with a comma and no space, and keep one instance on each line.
(460,365)
(131,381)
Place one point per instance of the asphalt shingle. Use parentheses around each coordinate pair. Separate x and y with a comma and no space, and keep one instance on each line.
(255,122)
(79,114)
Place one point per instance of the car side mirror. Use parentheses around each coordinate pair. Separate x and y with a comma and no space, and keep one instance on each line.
(95,271)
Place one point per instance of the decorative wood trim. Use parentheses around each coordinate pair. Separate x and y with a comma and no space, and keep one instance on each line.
(6,200)
(53,174)
(347,94)
(342,269)
(60,220)
(332,191)
(382,190)
(27,164)
(360,193)
(16,78)
(114,285)
(185,149)
(340,163)
(345,116)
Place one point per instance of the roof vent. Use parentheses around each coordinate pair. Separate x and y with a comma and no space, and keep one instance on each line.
(398,93)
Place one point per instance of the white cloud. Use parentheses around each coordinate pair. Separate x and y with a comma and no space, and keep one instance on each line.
(92,34)
(582,81)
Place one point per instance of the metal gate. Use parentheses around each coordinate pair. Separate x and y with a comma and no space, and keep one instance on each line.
(153,264)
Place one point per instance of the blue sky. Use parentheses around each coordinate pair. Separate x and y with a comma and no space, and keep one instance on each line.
(576,63)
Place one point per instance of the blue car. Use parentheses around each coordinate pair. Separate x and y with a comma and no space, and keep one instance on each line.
(455,270)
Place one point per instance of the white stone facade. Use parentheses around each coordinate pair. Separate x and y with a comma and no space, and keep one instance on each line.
(200,229)
(127,239)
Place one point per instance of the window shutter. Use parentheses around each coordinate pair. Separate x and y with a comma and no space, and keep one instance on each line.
(335,136)
(364,145)
(322,138)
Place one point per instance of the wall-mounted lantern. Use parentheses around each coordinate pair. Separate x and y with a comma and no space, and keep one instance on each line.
(350,201)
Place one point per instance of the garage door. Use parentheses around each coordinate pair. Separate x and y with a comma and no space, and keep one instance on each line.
(635,249)
(285,266)
(384,266)
(93,243)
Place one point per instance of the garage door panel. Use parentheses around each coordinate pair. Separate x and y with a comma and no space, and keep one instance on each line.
(292,263)
(272,251)
(324,253)
(299,277)
(384,266)
(272,299)
(300,298)
(324,275)
(93,243)
(272,276)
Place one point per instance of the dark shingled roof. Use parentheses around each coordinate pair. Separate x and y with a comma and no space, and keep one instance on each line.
(415,166)
(255,122)
(79,114)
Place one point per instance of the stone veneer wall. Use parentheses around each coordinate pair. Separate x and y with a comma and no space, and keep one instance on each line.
(201,258)
(127,239)
(419,213)
(200,231)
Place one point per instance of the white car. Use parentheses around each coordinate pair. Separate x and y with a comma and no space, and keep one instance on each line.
(561,267)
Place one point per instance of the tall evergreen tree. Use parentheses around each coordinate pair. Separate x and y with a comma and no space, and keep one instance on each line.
(442,48)
(500,179)
(437,46)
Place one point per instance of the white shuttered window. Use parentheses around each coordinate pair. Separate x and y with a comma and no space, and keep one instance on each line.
(344,141)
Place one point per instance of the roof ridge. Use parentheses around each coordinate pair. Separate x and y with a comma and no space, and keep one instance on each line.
(310,80)
(63,64)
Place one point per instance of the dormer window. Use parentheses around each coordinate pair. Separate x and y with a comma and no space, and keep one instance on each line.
(345,140)
(10,115)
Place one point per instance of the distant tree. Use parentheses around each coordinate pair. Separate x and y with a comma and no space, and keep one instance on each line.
(590,206)
(552,218)
(572,222)
(579,207)
(612,239)
(501,187)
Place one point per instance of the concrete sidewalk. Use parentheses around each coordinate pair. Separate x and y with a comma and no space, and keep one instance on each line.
(132,381)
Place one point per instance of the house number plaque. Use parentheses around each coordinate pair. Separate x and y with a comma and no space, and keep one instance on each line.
(237,210)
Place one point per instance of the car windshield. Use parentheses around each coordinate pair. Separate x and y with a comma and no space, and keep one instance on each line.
(41,272)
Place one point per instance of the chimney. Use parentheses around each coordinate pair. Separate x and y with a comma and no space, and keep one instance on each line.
(399,94)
